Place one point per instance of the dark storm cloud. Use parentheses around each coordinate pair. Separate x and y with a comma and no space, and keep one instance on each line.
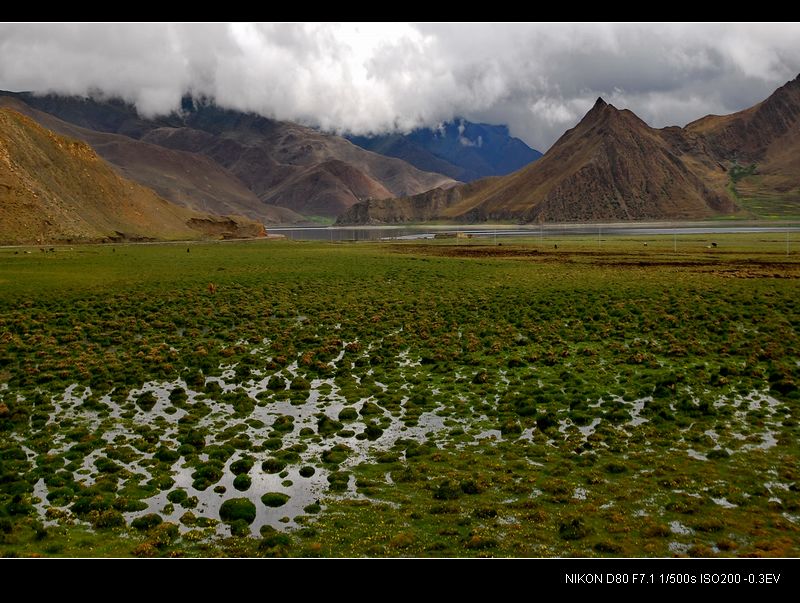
(538,78)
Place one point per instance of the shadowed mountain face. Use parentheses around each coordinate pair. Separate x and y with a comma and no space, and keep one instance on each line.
(462,150)
(613,166)
(259,167)
(54,188)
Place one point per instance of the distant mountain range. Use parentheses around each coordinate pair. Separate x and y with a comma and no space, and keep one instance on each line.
(56,189)
(224,161)
(613,166)
(206,171)
(460,149)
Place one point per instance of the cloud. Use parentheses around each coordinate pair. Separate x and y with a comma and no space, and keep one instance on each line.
(537,78)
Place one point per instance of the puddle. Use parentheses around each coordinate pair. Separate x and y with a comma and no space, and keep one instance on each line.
(587,430)
(322,397)
(676,527)
(123,423)
(636,410)
(494,434)
(680,548)
(696,455)
(580,494)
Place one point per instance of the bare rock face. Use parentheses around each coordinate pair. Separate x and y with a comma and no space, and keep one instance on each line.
(613,166)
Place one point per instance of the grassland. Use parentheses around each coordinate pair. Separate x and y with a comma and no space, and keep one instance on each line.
(458,398)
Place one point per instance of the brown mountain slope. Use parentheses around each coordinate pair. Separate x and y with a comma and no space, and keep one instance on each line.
(282,163)
(766,135)
(611,166)
(54,188)
(748,135)
(187,179)
(292,166)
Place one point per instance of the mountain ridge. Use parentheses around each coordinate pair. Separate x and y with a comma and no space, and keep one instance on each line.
(251,152)
(187,179)
(613,166)
(460,149)
(57,189)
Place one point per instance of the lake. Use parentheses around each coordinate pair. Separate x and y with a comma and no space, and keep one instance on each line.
(377,233)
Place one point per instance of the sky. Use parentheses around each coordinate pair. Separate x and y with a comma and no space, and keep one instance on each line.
(539,79)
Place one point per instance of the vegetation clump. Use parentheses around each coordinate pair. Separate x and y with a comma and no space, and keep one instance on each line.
(235,509)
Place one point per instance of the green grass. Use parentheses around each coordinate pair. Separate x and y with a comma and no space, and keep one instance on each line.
(493,392)
(747,190)
(770,207)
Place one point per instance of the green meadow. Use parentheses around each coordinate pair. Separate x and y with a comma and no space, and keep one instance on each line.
(578,396)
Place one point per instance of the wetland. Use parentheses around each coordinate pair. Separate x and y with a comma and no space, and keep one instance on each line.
(579,396)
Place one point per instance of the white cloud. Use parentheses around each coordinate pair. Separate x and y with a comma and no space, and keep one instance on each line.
(538,78)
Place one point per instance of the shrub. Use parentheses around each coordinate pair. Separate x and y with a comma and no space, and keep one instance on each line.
(146,401)
(165,455)
(242,482)
(547,421)
(177,496)
(240,527)
(110,518)
(448,489)
(275,499)
(276,383)
(335,455)
(300,384)
(283,423)
(145,522)
(241,466)
(471,486)
(206,475)
(573,529)
(615,468)
(370,408)
(273,465)
(338,481)
(327,426)
(373,432)
(348,413)
(237,509)
(510,427)
(607,547)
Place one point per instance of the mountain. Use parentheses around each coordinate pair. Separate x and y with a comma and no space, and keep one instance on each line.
(613,166)
(283,165)
(187,179)
(460,149)
(765,136)
(57,189)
